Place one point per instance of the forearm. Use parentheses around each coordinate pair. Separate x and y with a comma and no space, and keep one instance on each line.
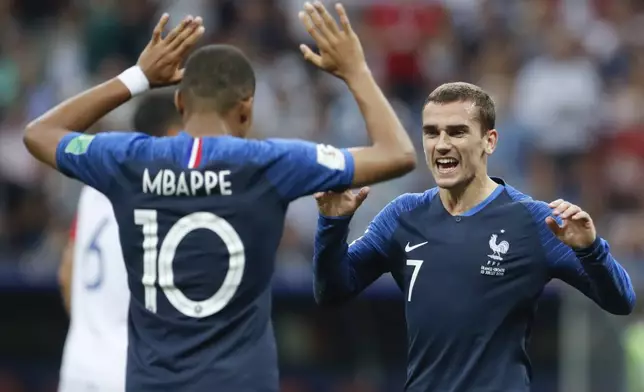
(610,282)
(83,110)
(391,145)
(334,277)
(75,114)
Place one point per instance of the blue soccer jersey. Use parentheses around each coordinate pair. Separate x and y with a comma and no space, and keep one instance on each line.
(470,282)
(200,220)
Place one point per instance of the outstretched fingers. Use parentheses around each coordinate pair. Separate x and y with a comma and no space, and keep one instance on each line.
(187,38)
(330,26)
(158,29)
(344,18)
(313,24)
(181,27)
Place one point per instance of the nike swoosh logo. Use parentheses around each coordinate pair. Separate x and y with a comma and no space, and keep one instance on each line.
(410,248)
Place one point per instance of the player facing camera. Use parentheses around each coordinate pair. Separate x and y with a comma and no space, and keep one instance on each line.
(458,134)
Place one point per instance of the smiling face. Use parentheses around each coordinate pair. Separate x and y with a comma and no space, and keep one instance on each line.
(455,143)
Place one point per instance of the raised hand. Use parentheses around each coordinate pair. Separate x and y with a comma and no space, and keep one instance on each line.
(341,53)
(340,204)
(577,229)
(161,59)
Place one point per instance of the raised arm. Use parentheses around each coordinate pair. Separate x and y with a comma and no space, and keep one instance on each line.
(392,153)
(576,255)
(158,66)
(343,271)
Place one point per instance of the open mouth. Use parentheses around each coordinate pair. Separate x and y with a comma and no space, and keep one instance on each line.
(446,165)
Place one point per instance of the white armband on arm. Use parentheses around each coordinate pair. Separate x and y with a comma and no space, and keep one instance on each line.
(135,80)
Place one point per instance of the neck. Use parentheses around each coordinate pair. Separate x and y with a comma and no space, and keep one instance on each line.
(461,199)
(206,124)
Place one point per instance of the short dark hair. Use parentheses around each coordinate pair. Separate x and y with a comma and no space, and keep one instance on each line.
(156,114)
(217,77)
(466,92)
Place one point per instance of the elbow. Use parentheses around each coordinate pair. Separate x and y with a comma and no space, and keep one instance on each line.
(401,157)
(408,160)
(31,135)
(405,161)
(624,306)
(622,310)
(629,305)
(28,137)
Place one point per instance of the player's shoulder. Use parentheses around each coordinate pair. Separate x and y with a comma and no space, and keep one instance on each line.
(120,145)
(408,202)
(268,151)
(230,148)
(274,148)
(124,139)
(537,208)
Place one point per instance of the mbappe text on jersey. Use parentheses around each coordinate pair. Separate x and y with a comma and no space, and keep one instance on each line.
(187,183)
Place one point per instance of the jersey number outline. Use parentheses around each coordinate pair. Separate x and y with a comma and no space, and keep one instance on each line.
(95,248)
(416,264)
(163,259)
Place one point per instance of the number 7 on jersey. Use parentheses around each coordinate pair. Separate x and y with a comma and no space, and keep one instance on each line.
(416,264)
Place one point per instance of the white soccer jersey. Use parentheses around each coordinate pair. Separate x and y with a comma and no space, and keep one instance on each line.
(95,352)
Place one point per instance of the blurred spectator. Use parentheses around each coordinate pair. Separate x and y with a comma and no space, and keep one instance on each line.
(556,98)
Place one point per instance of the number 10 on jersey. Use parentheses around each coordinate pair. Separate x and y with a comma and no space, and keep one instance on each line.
(161,259)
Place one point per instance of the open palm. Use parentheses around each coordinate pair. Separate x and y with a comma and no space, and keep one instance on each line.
(341,52)
(340,203)
(161,59)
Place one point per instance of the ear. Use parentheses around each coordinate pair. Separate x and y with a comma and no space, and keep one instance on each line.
(247,105)
(490,139)
(246,112)
(178,101)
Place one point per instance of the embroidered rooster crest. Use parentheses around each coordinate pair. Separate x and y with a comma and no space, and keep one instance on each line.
(498,249)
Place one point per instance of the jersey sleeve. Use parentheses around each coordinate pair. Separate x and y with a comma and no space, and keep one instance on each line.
(93,159)
(593,271)
(341,271)
(302,168)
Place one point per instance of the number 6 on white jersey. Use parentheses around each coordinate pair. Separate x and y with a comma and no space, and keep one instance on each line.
(185,225)
(416,264)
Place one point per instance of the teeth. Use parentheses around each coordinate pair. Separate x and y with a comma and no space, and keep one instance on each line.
(445,161)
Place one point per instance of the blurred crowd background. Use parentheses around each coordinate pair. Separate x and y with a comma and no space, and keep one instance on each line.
(567,77)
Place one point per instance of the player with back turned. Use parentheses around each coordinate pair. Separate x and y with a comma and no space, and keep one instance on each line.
(471,255)
(200,215)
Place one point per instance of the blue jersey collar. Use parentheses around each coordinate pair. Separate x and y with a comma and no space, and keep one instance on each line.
(497,191)
(484,203)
